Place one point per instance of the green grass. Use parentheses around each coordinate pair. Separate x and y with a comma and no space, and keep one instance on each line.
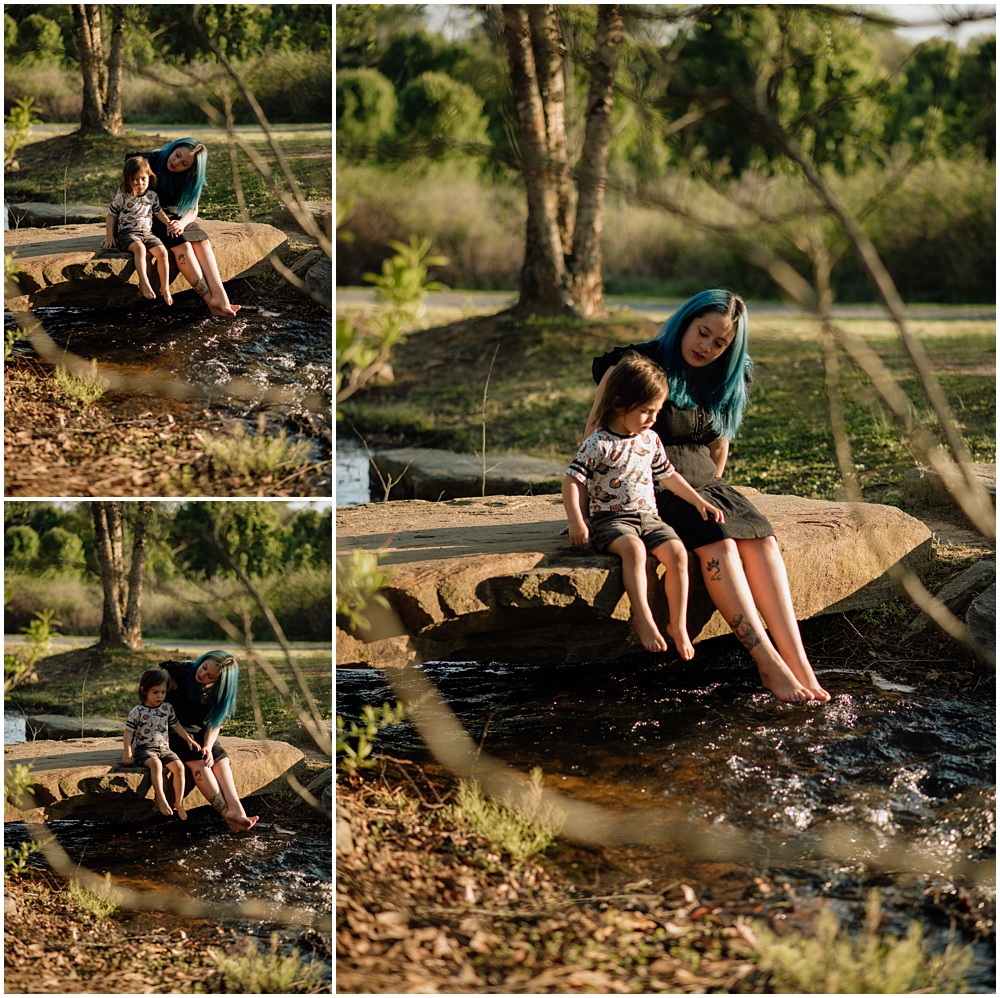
(107,686)
(541,392)
(95,166)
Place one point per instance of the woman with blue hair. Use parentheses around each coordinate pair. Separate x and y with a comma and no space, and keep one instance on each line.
(702,349)
(203,695)
(180,175)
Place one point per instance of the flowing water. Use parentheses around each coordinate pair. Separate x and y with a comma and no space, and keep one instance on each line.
(287,351)
(353,487)
(902,776)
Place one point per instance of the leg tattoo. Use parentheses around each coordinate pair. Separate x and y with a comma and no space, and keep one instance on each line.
(202,288)
(715,570)
(219,803)
(744,630)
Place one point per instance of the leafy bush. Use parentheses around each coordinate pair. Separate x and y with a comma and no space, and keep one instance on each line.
(61,550)
(20,547)
(366,109)
(440,115)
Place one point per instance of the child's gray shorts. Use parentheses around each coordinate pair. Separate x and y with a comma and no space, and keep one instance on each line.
(606,527)
(126,238)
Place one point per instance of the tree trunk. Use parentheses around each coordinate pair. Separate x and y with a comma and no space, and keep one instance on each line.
(585,281)
(121,625)
(102,111)
(544,271)
(562,258)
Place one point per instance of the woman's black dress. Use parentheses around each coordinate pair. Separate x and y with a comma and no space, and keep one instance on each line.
(686,434)
(190,713)
(193,232)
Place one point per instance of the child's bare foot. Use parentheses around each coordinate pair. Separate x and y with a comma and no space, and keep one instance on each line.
(649,634)
(181,813)
(168,298)
(146,290)
(680,638)
(165,808)
(784,685)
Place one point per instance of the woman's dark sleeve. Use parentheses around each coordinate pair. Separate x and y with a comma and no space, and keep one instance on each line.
(602,363)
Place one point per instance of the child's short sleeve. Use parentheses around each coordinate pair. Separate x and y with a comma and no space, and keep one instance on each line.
(132,721)
(171,716)
(155,203)
(662,467)
(117,203)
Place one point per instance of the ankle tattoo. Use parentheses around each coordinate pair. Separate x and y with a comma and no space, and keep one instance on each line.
(219,803)
(202,288)
(744,630)
(714,569)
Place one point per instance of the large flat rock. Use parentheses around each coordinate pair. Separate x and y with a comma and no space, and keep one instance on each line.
(84,778)
(493,579)
(65,263)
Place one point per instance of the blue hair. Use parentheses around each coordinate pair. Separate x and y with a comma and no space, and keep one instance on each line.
(180,189)
(722,387)
(222,699)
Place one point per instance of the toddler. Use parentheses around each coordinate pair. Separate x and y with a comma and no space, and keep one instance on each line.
(613,477)
(131,214)
(146,740)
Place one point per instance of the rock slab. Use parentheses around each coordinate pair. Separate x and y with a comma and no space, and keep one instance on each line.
(65,264)
(425,473)
(493,579)
(59,726)
(84,778)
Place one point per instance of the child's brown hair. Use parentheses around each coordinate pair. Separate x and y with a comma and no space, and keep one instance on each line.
(151,678)
(136,167)
(633,381)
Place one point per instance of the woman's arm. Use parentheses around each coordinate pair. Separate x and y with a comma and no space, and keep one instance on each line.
(178,225)
(719,452)
(213,734)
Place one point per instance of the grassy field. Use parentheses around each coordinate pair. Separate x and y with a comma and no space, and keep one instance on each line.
(62,168)
(540,392)
(84,682)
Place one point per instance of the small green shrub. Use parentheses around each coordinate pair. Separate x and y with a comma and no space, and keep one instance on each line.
(15,858)
(836,963)
(253,972)
(99,904)
(355,742)
(89,390)
(17,127)
(366,110)
(521,829)
(252,455)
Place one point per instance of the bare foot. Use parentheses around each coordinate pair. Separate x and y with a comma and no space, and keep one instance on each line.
(784,685)
(165,808)
(240,822)
(168,298)
(222,308)
(680,638)
(806,676)
(147,291)
(181,813)
(649,634)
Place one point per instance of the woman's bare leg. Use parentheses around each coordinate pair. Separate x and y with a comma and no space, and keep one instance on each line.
(187,264)
(730,591)
(632,552)
(765,571)
(235,815)
(673,557)
(207,785)
(217,300)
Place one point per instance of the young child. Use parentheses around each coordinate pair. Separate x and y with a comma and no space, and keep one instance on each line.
(131,213)
(147,726)
(613,475)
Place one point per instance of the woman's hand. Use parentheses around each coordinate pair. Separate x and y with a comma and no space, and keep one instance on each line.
(176,226)
(708,510)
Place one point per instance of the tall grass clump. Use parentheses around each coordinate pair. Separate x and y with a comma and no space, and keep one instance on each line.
(253,972)
(836,963)
(521,829)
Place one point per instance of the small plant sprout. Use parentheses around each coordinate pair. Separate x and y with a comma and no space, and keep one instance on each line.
(355,742)
(89,389)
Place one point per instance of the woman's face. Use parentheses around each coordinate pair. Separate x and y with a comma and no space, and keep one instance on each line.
(706,339)
(207,673)
(180,160)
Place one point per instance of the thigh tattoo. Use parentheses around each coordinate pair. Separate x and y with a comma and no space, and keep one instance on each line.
(714,569)
(744,630)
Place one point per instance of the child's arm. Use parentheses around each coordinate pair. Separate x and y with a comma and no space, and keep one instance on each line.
(574,496)
(109,239)
(163,217)
(182,732)
(127,748)
(680,486)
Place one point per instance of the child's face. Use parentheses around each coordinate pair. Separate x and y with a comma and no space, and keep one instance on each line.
(706,339)
(155,695)
(180,159)
(642,417)
(140,184)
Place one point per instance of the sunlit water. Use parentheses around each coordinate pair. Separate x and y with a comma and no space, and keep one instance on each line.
(353,487)
(889,765)
(273,350)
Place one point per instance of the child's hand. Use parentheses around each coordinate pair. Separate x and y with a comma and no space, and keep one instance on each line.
(175,228)
(205,753)
(127,757)
(708,510)
(107,243)
(580,535)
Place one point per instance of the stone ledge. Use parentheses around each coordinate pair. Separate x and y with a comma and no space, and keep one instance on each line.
(493,579)
(84,778)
